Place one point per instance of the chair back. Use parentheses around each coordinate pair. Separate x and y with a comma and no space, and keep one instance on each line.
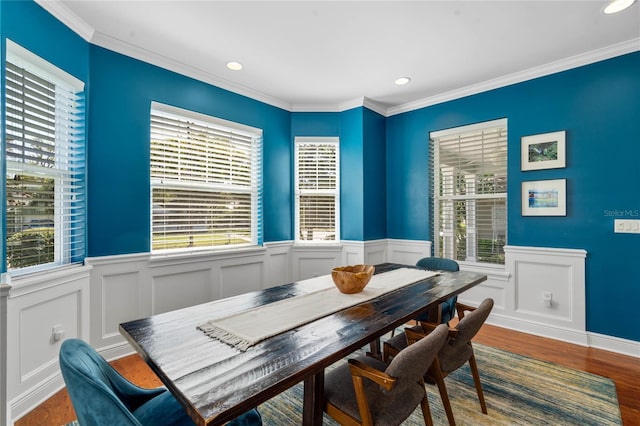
(99,394)
(438,264)
(413,362)
(471,323)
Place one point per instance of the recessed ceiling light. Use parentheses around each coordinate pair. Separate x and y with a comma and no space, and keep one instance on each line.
(234,66)
(616,6)
(402,81)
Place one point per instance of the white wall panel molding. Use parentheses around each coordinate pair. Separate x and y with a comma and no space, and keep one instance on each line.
(117,295)
(353,253)
(278,263)
(407,251)
(42,310)
(5,412)
(314,260)
(496,287)
(375,252)
(91,301)
(558,275)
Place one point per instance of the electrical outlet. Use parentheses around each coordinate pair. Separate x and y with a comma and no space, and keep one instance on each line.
(547,299)
(57,333)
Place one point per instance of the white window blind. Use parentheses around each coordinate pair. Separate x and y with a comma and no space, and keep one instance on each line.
(205,181)
(317,189)
(45,160)
(470,192)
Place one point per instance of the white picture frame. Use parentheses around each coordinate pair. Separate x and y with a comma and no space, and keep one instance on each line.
(544,198)
(543,151)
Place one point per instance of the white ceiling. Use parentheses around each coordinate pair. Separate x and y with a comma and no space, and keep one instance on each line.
(324,55)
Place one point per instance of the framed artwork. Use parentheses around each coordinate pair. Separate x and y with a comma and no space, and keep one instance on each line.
(544,198)
(544,151)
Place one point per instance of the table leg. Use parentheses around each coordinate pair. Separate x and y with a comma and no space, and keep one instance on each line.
(374,349)
(312,407)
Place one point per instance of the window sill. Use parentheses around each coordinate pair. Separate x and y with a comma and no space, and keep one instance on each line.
(203,255)
(24,283)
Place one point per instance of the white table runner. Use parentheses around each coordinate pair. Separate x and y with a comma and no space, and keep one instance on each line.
(247,328)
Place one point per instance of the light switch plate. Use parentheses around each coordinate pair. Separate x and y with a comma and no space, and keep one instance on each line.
(626,226)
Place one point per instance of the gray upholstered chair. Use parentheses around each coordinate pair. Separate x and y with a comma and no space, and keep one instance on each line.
(365,391)
(454,354)
(447,309)
(102,397)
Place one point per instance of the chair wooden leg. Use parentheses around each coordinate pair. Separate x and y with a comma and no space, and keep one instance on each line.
(476,379)
(435,372)
(426,411)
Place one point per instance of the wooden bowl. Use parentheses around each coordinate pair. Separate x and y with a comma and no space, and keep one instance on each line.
(352,279)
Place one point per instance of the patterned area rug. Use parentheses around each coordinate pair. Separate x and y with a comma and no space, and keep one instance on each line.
(518,390)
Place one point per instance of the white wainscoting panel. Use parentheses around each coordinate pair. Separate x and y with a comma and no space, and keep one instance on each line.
(278,263)
(5,408)
(120,296)
(37,305)
(407,252)
(176,290)
(352,253)
(313,261)
(496,287)
(375,252)
(535,271)
(91,301)
(117,296)
(243,278)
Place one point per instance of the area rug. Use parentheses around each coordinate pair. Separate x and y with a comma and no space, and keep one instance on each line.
(518,391)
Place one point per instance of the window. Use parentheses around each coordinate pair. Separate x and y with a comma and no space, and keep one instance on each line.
(470,192)
(205,181)
(317,190)
(45,163)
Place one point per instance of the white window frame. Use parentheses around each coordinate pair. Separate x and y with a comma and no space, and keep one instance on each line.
(254,189)
(68,172)
(335,192)
(447,248)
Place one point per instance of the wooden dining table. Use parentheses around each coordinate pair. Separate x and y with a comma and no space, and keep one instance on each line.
(216,382)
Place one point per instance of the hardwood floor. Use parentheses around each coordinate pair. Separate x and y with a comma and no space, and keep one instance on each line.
(623,370)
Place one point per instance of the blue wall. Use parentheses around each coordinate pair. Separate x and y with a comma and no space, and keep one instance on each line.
(599,107)
(362,166)
(374,163)
(118,162)
(384,160)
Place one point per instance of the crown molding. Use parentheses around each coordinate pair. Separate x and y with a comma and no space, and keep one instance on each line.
(343,106)
(63,14)
(79,26)
(116,45)
(71,20)
(565,64)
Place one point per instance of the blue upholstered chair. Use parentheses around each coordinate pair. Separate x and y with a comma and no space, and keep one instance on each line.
(447,308)
(101,396)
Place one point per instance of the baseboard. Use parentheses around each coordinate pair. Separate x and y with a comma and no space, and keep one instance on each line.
(543,330)
(614,344)
(592,340)
(25,403)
